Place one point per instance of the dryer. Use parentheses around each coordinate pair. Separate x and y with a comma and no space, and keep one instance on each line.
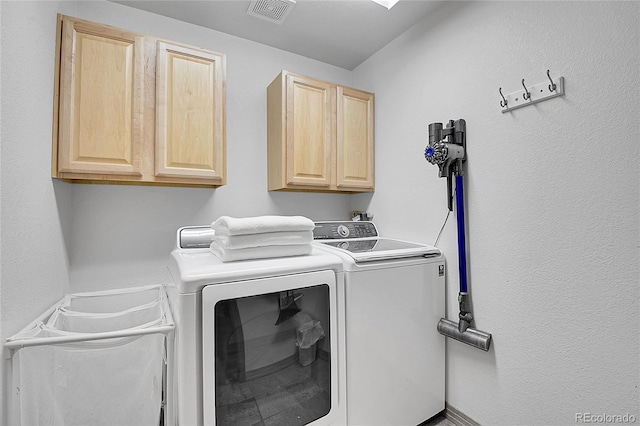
(232,360)
(395,296)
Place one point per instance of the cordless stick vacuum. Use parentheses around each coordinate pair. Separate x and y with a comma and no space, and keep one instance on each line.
(447,150)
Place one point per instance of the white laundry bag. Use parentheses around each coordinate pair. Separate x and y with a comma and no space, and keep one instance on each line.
(107,381)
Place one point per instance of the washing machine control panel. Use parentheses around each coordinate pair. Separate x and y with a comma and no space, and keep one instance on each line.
(344,230)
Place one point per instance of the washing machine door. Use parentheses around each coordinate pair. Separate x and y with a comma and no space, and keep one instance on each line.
(271,351)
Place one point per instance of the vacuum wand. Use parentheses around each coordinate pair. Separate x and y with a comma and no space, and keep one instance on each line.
(447,150)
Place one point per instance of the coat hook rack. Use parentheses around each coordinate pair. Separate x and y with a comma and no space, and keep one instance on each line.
(532,94)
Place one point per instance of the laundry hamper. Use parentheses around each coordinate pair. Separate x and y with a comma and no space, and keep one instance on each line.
(100,358)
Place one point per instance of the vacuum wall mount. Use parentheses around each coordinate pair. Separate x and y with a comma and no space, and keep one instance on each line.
(447,150)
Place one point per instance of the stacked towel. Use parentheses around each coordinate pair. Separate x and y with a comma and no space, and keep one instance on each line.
(286,238)
(226,225)
(261,237)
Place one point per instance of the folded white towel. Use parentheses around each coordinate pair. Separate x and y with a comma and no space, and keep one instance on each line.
(264,239)
(226,225)
(265,252)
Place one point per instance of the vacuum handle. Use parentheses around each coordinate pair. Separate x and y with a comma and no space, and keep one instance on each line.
(462,245)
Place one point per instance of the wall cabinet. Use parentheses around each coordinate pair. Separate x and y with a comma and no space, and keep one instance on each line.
(320,136)
(133,109)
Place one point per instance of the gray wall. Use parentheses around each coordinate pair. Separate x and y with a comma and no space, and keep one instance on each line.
(58,236)
(551,197)
(552,189)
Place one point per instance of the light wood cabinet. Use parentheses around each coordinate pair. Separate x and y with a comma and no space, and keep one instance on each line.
(190,112)
(320,136)
(132,109)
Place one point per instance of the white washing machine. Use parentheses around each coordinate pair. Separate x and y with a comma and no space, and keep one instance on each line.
(395,296)
(234,365)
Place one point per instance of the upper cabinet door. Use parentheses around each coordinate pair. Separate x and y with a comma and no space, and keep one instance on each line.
(309,135)
(101,99)
(190,113)
(355,138)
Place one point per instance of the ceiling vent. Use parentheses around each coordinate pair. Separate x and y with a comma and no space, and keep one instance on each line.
(271,10)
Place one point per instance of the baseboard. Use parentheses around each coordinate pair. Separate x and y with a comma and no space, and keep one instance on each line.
(456,417)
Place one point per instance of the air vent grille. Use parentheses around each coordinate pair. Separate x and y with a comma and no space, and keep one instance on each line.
(271,10)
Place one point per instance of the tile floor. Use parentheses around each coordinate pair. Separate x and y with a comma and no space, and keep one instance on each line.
(293,396)
(439,420)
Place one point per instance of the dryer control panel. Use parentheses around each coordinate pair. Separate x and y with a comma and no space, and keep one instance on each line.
(193,237)
(342,230)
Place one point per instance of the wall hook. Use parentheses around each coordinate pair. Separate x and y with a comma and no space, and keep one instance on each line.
(527,94)
(552,86)
(503,102)
(533,93)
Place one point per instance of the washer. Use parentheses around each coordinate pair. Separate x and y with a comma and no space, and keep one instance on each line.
(232,360)
(395,296)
